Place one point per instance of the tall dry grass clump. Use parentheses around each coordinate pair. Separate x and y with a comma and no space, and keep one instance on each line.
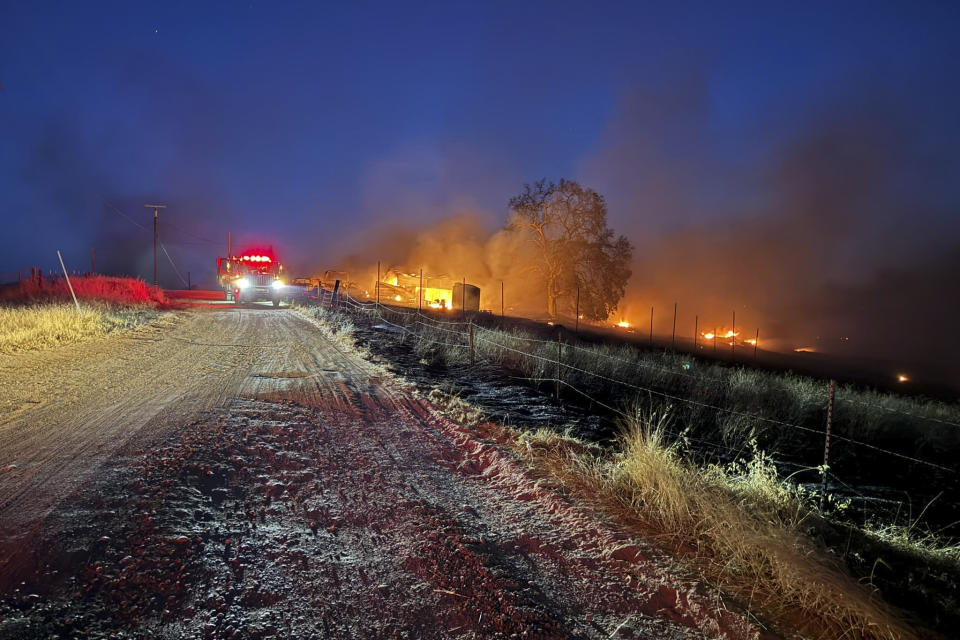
(744,527)
(106,289)
(35,327)
(39,326)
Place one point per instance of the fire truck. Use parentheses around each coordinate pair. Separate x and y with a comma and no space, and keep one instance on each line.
(252,276)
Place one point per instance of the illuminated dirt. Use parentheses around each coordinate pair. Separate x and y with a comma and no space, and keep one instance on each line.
(239,475)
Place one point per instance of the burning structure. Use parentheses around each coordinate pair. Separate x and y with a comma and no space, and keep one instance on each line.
(431,291)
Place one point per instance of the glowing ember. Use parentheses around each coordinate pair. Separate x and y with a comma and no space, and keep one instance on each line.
(752,341)
(902,378)
(709,336)
(623,324)
(397,298)
(805,350)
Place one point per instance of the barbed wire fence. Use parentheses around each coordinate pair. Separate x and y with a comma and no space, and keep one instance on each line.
(487,345)
(510,351)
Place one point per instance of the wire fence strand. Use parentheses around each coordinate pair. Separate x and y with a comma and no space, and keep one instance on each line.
(480,338)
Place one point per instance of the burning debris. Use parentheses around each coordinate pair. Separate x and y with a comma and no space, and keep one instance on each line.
(439,292)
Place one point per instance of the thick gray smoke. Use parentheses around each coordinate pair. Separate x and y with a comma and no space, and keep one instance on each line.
(837,235)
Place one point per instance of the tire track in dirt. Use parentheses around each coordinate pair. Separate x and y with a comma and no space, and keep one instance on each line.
(296,490)
(92,399)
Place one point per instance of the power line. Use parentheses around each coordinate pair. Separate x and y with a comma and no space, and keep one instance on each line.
(131,220)
(166,253)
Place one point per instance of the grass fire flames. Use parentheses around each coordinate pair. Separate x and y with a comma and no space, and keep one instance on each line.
(728,335)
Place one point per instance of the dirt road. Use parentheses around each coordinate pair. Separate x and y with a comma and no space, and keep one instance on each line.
(237,473)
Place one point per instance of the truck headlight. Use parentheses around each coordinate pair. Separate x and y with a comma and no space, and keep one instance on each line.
(278,284)
(243,283)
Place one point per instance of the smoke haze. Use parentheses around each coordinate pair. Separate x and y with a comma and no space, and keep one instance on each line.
(820,238)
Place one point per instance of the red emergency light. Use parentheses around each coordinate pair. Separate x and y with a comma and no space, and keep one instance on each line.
(256,259)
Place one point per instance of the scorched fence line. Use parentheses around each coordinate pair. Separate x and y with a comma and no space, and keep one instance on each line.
(557,363)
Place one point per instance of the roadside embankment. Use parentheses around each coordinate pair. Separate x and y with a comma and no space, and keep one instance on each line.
(36,315)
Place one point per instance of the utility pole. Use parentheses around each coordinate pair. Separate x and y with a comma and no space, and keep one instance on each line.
(696,329)
(378,283)
(501,299)
(756,341)
(156,212)
(463,299)
(420,297)
(651,325)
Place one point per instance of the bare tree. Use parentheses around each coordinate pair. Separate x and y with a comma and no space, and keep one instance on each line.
(567,224)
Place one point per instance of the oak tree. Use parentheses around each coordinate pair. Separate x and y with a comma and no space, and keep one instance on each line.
(573,246)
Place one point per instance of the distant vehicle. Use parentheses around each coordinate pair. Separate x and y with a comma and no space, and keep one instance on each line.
(252,276)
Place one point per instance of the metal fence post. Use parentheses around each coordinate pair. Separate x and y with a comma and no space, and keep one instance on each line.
(559,355)
(673,336)
(473,351)
(733,339)
(826,444)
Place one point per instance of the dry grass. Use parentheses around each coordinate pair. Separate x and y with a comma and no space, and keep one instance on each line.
(116,291)
(455,407)
(40,326)
(35,316)
(741,525)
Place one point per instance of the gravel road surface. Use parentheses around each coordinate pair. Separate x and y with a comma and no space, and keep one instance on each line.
(236,472)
